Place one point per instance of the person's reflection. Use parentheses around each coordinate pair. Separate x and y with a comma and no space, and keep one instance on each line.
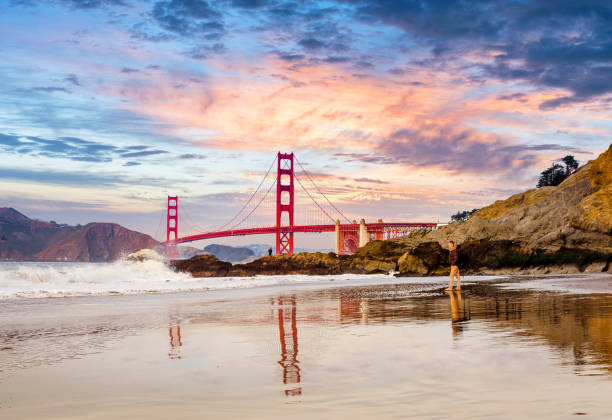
(175,342)
(287,329)
(459,312)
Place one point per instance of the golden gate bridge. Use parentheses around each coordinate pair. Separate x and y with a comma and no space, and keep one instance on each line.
(278,192)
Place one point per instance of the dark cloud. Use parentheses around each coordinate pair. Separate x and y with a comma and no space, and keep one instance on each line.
(519,96)
(191,156)
(129,70)
(9,140)
(440,19)
(72,78)
(562,44)
(189,18)
(50,89)
(205,51)
(371,181)
(312,44)
(92,4)
(144,153)
(131,163)
(291,57)
(73,148)
(336,59)
(364,64)
(250,4)
(452,150)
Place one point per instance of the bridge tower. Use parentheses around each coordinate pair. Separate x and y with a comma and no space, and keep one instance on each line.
(284,203)
(172,227)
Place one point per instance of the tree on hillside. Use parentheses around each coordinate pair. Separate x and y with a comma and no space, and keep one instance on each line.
(462,216)
(557,173)
(571,164)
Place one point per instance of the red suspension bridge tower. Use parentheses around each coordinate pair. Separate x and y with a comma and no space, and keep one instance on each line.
(172,227)
(284,203)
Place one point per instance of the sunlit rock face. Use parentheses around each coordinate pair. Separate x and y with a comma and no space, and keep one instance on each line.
(575,214)
(567,228)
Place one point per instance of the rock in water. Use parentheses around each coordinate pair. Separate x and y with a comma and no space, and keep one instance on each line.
(202,266)
(316,263)
(145,255)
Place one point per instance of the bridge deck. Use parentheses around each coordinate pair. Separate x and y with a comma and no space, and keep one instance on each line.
(372,228)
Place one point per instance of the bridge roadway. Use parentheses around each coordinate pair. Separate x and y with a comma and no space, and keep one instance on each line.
(371,227)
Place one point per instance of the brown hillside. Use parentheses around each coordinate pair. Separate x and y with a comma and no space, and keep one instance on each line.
(576,214)
(24,239)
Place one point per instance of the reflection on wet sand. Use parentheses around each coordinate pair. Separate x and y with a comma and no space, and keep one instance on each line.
(459,312)
(353,342)
(577,327)
(288,333)
(175,342)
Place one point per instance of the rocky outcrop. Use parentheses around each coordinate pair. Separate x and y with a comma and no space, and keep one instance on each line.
(552,229)
(427,258)
(305,263)
(202,266)
(483,256)
(24,239)
(577,214)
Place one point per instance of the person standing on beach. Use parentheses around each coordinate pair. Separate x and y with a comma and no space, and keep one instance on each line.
(453,259)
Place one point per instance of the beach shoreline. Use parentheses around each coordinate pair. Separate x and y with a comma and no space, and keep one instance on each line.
(320,346)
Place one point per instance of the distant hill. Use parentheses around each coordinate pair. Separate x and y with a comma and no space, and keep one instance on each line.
(229,253)
(262,249)
(25,239)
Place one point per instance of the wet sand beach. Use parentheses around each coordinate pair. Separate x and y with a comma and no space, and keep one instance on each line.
(331,347)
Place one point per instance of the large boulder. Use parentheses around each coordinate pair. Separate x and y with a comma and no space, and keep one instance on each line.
(427,258)
(202,266)
(412,265)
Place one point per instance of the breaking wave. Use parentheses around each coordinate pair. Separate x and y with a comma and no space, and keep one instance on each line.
(32,279)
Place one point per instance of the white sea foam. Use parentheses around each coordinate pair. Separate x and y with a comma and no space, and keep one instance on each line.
(28,280)
(18,280)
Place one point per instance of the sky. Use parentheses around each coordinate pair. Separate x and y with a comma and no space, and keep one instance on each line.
(400,110)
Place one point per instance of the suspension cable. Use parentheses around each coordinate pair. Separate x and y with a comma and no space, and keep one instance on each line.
(191,221)
(258,204)
(313,200)
(317,187)
(250,199)
(159,225)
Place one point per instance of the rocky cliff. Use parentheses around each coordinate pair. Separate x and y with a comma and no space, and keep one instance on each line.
(24,239)
(577,214)
(565,228)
